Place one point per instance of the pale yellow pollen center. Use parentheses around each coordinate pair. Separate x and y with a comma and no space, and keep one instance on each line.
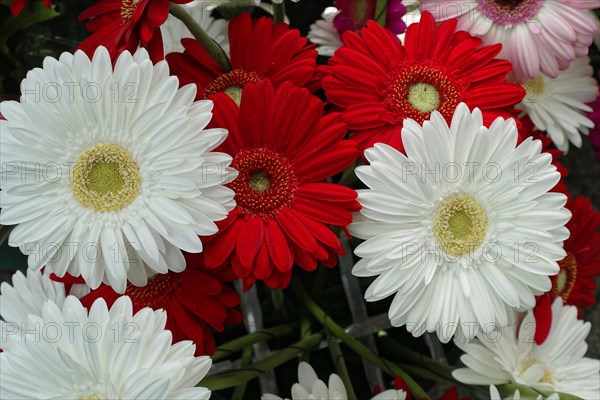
(536,86)
(259,181)
(424,97)
(235,92)
(460,225)
(91,397)
(547,378)
(561,280)
(106,178)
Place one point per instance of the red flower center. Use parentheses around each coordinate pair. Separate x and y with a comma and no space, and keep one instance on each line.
(128,9)
(232,84)
(266,182)
(158,293)
(564,282)
(415,90)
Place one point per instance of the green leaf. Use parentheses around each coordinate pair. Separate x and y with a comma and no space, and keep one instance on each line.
(278,299)
(33,14)
(381,12)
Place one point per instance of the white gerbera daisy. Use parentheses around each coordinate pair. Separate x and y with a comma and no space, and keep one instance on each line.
(536,35)
(173,30)
(26,296)
(558,364)
(558,106)
(106,354)
(324,34)
(109,172)
(495,395)
(311,388)
(462,227)
(391,394)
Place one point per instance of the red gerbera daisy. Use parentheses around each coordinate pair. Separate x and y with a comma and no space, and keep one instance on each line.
(121,25)
(194,300)
(258,49)
(575,281)
(283,148)
(17,6)
(380,82)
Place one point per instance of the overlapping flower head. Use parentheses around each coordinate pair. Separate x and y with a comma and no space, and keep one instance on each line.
(136,181)
(196,150)
(556,365)
(123,25)
(379,82)
(574,284)
(537,36)
(126,355)
(352,15)
(195,300)
(440,241)
(558,106)
(259,49)
(283,148)
(173,30)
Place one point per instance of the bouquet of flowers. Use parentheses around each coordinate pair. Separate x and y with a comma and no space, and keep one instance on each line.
(214,204)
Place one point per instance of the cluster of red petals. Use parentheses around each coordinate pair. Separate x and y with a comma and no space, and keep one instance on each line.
(284,148)
(195,301)
(370,78)
(17,5)
(121,25)
(575,281)
(258,49)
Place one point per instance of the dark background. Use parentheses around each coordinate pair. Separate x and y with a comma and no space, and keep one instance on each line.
(24,42)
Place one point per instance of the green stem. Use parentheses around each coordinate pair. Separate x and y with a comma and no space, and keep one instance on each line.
(416,358)
(426,374)
(340,367)
(239,344)
(305,330)
(240,390)
(235,378)
(213,49)
(278,13)
(381,12)
(354,344)
(349,177)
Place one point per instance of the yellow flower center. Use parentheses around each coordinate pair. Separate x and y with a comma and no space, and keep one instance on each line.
(106,178)
(91,397)
(259,181)
(547,378)
(424,97)
(564,283)
(536,86)
(460,225)
(235,92)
